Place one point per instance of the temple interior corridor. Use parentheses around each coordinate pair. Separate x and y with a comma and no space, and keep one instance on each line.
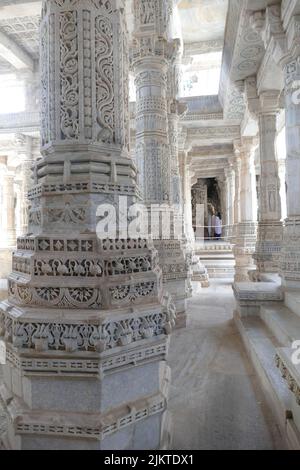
(215,400)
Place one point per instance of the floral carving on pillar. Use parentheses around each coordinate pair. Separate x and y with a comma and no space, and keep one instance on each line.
(87,62)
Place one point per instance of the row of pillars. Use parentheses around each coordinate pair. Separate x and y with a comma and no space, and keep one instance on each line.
(14,186)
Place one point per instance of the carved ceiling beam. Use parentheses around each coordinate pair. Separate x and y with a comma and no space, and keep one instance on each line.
(203,135)
(14,54)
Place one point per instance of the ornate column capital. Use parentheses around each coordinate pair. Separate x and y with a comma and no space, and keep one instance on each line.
(178,108)
(249,145)
(268,24)
(270,102)
(266,102)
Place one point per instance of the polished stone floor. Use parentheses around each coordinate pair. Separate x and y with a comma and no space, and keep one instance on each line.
(215,400)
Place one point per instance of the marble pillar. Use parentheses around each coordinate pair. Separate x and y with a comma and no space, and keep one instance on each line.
(176,109)
(290,253)
(269,238)
(7,224)
(282,175)
(237,172)
(245,237)
(198,193)
(222,182)
(152,56)
(24,152)
(86,324)
(186,176)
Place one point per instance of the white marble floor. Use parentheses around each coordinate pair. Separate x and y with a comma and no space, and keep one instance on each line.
(215,401)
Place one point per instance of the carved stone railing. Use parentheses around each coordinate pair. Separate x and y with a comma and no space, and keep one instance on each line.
(20,122)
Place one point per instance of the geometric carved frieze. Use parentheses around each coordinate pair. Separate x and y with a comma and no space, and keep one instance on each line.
(290,253)
(215,134)
(84,272)
(79,187)
(106,361)
(95,426)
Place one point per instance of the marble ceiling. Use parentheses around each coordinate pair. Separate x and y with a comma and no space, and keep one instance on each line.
(202,20)
(202,23)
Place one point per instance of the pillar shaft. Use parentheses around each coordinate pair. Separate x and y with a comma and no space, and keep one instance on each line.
(9,223)
(187,195)
(290,255)
(237,209)
(269,238)
(230,183)
(25,154)
(152,139)
(245,236)
(156,143)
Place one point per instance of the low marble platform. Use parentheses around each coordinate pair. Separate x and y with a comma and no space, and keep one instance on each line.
(268,319)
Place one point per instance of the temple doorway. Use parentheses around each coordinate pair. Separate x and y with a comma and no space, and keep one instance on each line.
(206,192)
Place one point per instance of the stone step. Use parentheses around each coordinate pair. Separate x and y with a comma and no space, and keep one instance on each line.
(219,270)
(282,323)
(218,262)
(221,275)
(261,348)
(292,301)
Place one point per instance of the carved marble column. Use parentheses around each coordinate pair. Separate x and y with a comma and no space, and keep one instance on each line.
(7,223)
(224,199)
(8,235)
(197,193)
(86,323)
(186,176)
(31,89)
(282,175)
(230,181)
(152,57)
(199,198)
(269,239)
(25,154)
(176,109)
(237,172)
(245,237)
